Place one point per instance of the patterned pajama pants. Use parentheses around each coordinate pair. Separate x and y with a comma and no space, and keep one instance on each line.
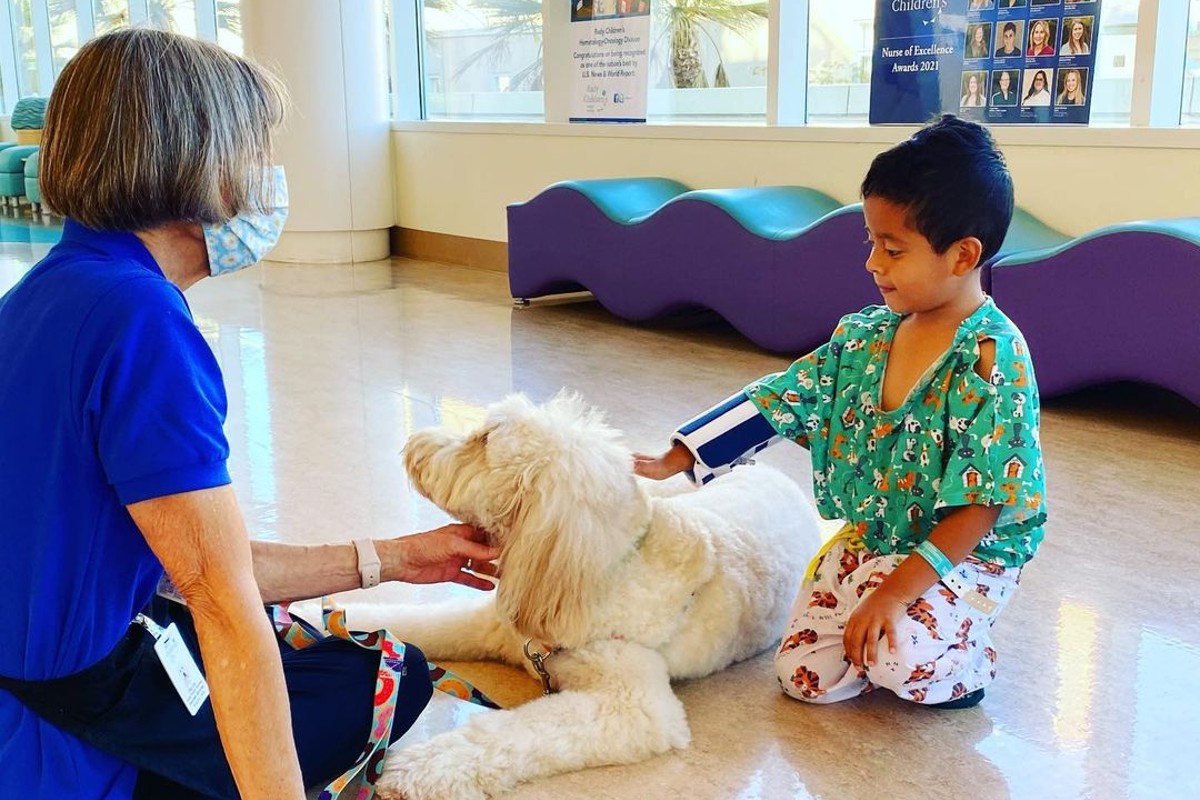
(943,647)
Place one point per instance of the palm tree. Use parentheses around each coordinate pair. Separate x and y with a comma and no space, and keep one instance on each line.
(513,20)
(689,20)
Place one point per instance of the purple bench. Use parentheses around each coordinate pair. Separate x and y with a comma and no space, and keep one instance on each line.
(782,264)
(1117,304)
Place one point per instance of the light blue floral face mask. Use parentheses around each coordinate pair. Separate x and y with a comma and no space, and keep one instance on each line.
(245,239)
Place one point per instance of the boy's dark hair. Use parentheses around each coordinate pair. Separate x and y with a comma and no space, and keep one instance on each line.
(952,181)
(1010,26)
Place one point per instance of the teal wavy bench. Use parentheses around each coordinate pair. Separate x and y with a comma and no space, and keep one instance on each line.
(1116,304)
(646,247)
(783,264)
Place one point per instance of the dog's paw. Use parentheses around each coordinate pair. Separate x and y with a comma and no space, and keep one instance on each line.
(439,769)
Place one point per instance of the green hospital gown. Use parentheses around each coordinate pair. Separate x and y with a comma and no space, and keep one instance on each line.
(956,440)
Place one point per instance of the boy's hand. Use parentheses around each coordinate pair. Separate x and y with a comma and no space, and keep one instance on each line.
(877,616)
(676,460)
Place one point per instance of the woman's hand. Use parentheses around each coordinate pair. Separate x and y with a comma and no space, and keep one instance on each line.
(440,555)
(878,616)
(676,460)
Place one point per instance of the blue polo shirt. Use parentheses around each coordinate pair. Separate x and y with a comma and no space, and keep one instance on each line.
(108,395)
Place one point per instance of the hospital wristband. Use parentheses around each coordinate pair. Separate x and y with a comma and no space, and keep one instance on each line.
(936,558)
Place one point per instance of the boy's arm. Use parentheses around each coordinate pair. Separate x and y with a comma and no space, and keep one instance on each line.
(775,407)
(712,443)
(956,536)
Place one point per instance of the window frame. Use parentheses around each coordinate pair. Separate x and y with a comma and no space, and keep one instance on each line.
(1157,85)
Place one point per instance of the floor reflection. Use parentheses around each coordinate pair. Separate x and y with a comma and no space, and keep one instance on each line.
(329,369)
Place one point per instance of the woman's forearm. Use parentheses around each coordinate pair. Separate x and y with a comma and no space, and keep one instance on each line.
(300,572)
(287,572)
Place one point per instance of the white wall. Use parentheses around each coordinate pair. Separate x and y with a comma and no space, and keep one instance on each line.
(457,178)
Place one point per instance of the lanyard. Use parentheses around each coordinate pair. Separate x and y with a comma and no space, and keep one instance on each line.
(358,782)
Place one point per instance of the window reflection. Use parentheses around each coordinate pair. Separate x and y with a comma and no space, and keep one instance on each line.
(1077,631)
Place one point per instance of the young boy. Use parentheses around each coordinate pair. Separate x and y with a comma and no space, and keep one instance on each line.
(921,416)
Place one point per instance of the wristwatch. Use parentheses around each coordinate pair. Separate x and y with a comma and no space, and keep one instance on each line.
(368,562)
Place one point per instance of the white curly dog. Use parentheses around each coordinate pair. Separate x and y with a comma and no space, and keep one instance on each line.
(630,587)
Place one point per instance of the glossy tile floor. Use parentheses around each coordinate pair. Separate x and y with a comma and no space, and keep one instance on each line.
(330,368)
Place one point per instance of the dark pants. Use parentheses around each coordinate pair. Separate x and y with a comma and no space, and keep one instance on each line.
(131,710)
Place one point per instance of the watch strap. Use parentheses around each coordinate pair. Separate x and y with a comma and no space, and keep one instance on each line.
(368,562)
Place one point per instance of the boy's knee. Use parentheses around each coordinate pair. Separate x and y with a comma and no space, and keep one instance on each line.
(906,672)
(805,673)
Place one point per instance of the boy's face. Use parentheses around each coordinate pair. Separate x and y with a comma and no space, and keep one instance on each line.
(911,277)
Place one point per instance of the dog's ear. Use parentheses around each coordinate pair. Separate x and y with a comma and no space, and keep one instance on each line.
(570,520)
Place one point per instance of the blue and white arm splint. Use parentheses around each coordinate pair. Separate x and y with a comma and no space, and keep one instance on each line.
(724,436)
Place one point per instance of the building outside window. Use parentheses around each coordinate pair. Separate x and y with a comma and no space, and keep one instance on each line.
(482,59)
(841,40)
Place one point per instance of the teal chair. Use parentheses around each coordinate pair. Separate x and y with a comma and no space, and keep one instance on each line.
(29,114)
(33,192)
(12,172)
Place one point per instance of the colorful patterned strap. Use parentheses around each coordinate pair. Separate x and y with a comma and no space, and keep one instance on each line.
(358,782)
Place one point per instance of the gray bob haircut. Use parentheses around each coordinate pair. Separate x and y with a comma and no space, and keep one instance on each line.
(145,128)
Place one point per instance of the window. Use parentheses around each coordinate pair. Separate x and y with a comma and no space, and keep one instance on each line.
(1190,112)
(841,41)
(229,25)
(109,14)
(482,59)
(64,31)
(1112,92)
(708,61)
(29,79)
(45,34)
(173,15)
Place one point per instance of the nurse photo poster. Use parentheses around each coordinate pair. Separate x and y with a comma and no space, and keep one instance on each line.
(995,61)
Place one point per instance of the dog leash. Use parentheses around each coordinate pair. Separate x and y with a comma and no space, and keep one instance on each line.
(358,782)
(538,660)
(538,656)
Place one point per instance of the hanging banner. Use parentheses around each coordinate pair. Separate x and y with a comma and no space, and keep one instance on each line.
(995,61)
(610,53)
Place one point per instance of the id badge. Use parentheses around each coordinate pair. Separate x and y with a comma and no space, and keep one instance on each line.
(177,660)
(166,588)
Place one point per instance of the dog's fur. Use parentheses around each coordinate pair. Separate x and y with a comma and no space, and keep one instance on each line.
(638,585)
